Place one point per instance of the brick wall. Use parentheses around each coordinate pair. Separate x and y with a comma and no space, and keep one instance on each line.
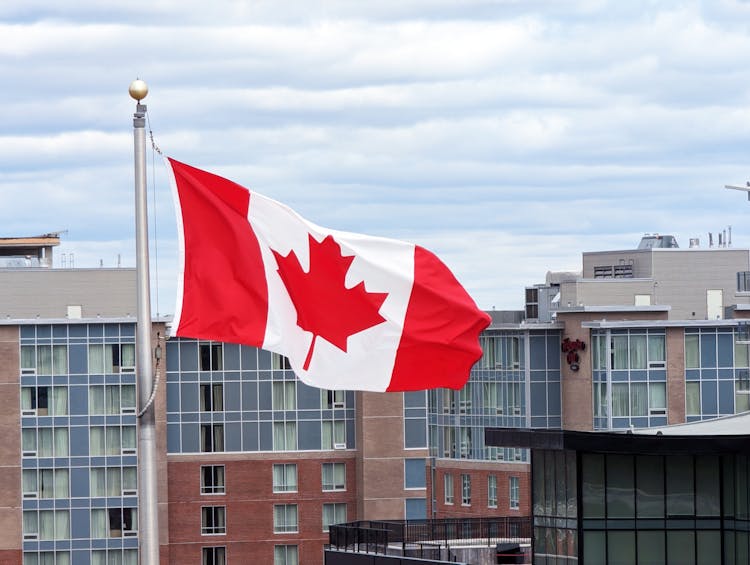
(10,447)
(249,502)
(478,472)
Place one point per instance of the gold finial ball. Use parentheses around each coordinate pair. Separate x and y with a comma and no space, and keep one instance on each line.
(138,89)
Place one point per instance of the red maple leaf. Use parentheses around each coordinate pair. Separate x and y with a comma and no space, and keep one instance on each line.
(324,305)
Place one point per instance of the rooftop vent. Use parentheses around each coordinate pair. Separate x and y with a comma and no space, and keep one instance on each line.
(654,240)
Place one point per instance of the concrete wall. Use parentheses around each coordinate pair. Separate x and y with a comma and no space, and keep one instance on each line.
(675,277)
(47,293)
(685,275)
(606,292)
(639,258)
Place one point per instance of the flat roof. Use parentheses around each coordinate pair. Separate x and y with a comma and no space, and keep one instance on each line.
(627,442)
(623,324)
(34,241)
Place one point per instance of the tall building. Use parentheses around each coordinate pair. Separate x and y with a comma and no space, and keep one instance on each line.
(654,340)
(68,457)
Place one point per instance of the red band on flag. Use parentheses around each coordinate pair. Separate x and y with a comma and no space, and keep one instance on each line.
(439,342)
(224,287)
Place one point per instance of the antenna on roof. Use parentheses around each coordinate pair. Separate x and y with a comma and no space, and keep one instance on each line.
(56,234)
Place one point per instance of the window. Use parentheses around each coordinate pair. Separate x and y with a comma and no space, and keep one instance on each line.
(514,353)
(657,402)
(333,476)
(213,520)
(280,362)
(657,351)
(114,522)
(465,434)
(44,359)
(599,352)
(212,437)
(285,555)
(332,399)
(45,483)
(284,518)
(112,440)
(113,557)
(212,479)
(742,391)
(638,352)
(638,399)
(693,398)
(284,436)
(52,558)
(464,399)
(212,397)
(44,442)
(448,488)
(447,398)
(334,513)
(285,477)
(633,399)
(214,556)
(211,358)
(514,398)
(112,399)
(495,453)
(44,401)
(487,343)
(333,435)
(492,491)
(493,401)
(600,400)
(284,395)
(620,399)
(449,442)
(465,489)
(414,473)
(514,493)
(740,352)
(113,481)
(46,524)
(692,351)
(112,358)
(619,355)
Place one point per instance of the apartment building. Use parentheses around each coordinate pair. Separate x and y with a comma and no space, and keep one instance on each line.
(252,464)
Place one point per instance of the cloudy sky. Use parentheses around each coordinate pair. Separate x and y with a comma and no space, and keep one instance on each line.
(508,136)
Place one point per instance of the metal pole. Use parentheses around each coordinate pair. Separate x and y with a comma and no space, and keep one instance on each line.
(148,527)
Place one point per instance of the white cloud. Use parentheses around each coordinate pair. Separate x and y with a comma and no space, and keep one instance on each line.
(507,136)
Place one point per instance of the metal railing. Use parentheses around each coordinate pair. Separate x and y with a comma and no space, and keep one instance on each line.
(421,537)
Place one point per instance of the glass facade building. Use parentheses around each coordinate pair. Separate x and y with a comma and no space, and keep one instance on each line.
(229,398)
(649,505)
(78,444)
(516,383)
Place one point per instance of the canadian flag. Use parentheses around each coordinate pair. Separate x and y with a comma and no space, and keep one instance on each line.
(350,311)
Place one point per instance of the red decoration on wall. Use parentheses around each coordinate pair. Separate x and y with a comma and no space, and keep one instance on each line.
(571,349)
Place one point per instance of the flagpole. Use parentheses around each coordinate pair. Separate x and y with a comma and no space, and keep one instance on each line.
(148,523)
